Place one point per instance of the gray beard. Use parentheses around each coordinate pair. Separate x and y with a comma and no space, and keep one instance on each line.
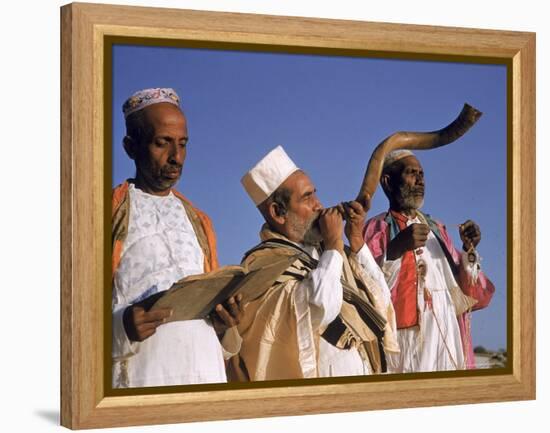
(408,200)
(313,237)
(309,231)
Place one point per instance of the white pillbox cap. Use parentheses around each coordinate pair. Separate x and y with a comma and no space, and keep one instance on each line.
(268,174)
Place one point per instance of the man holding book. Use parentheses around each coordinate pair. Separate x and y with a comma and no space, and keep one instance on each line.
(159,237)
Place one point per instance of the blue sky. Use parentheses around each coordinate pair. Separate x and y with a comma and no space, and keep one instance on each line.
(329,113)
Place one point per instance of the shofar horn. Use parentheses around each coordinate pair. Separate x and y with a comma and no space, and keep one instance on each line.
(414,140)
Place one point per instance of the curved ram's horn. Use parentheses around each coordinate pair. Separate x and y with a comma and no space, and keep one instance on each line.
(414,140)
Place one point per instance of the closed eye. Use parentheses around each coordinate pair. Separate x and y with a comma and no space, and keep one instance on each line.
(308,194)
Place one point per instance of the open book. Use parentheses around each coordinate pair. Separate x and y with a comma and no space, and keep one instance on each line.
(196,296)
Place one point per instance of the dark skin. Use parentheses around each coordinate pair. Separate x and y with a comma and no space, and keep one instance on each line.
(159,165)
(408,173)
(470,234)
(159,162)
(227,315)
(355,214)
(305,206)
(140,323)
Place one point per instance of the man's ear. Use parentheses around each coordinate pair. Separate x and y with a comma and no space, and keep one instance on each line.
(130,146)
(385,183)
(276,213)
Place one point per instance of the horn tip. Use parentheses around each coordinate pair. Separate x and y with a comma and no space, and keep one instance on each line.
(472,111)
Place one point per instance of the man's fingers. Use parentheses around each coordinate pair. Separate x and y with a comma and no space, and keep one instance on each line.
(423,228)
(420,237)
(351,209)
(233,307)
(240,303)
(466,224)
(419,229)
(356,206)
(148,326)
(138,310)
(469,228)
(147,334)
(471,235)
(420,242)
(137,315)
(333,211)
(147,303)
(159,315)
(346,210)
(331,215)
(471,232)
(224,315)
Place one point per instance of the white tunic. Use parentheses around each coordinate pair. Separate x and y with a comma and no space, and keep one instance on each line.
(160,249)
(435,344)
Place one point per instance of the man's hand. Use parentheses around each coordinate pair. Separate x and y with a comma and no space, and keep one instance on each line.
(139,322)
(411,238)
(354,214)
(469,234)
(330,224)
(228,315)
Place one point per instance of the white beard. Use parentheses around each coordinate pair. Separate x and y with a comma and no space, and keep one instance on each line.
(407,200)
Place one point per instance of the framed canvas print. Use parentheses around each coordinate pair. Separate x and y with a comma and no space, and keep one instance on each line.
(169,120)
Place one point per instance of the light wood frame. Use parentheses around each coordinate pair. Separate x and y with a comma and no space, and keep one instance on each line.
(84,400)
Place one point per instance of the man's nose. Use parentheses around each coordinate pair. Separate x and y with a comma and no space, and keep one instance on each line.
(177,154)
(317,206)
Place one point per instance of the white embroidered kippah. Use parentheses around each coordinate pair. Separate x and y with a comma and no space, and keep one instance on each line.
(144,98)
(396,155)
(268,174)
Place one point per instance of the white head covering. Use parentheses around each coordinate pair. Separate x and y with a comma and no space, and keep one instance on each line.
(144,98)
(396,155)
(268,174)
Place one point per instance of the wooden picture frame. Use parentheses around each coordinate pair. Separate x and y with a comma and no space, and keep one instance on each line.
(85,217)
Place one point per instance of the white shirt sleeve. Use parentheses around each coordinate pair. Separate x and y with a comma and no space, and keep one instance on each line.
(231,343)
(324,289)
(122,346)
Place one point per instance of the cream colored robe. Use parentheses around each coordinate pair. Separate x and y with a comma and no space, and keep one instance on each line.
(281,330)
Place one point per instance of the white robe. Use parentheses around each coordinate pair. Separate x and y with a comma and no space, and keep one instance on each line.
(160,249)
(435,344)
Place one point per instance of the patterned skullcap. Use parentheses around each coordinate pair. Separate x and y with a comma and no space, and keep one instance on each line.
(146,97)
(268,174)
(396,155)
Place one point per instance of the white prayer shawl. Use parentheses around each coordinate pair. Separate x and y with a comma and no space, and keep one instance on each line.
(435,344)
(160,249)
